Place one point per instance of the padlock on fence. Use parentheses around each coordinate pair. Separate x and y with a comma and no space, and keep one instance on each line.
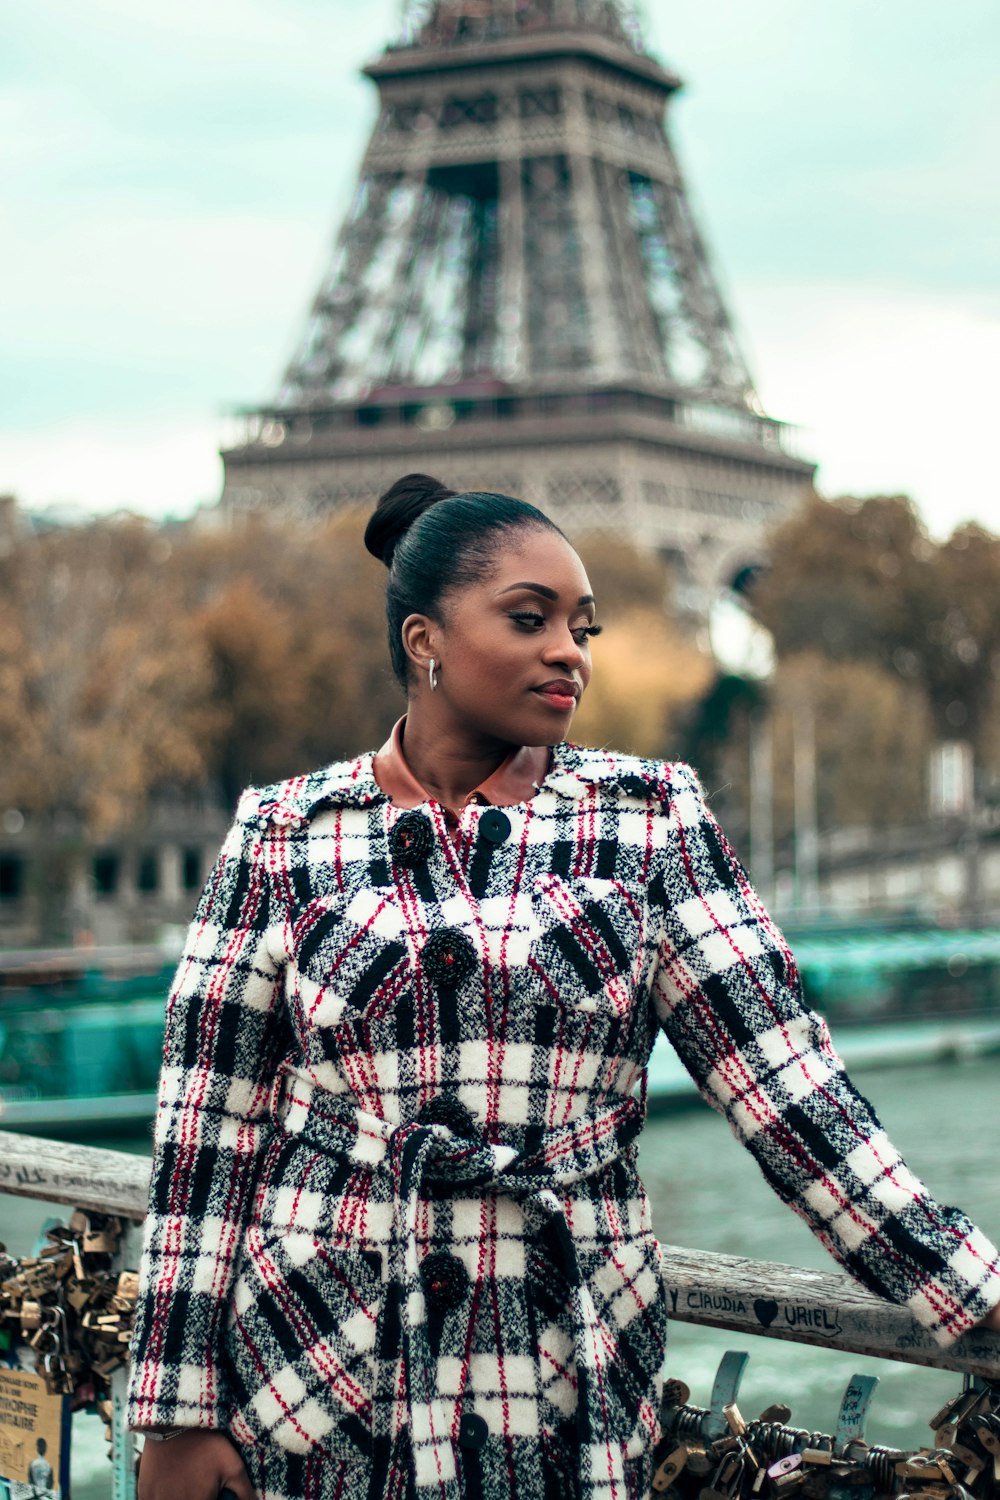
(714,1453)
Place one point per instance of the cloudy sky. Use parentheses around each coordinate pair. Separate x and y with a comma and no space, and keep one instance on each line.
(172,176)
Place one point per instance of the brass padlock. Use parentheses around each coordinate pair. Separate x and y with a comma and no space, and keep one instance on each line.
(30,1314)
(44,1340)
(734,1419)
(99,1242)
(818,1456)
(128,1286)
(39,1281)
(670,1468)
(76,1295)
(56,1376)
(676,1393)
(946,1471)
(919,1466)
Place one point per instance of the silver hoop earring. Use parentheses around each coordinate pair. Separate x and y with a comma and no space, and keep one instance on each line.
(433,675)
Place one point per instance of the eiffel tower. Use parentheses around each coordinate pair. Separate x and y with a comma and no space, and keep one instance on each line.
(520,300)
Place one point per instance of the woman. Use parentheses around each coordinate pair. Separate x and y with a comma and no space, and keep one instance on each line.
(397,1245)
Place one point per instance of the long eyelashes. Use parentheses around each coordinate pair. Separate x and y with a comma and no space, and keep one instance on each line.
(529,617)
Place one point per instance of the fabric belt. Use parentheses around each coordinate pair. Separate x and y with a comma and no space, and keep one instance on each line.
(413,1156)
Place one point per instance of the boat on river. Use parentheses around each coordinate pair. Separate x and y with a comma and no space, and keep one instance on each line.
(81,1030)
(81,1038)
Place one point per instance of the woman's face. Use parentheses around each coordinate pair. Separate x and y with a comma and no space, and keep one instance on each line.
(513,651)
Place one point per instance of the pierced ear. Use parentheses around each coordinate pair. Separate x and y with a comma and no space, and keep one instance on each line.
(420,637)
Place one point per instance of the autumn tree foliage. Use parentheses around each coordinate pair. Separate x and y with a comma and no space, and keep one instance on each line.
(890,640)
(873,738)
(135,659)
(291,617)
(106,683)
(860,580)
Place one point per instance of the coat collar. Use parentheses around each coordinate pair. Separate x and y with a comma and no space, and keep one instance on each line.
(514,780)
(574,772)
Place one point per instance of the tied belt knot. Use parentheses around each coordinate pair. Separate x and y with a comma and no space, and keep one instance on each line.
(414,1156)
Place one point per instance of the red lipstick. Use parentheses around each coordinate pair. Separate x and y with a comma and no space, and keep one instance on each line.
(561,693)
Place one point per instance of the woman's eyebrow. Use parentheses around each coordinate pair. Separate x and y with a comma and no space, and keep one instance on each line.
(546,593)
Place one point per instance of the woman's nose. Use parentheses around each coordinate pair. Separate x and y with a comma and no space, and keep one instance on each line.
(564,650)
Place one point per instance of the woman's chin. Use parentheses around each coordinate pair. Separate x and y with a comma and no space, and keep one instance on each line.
(553,725)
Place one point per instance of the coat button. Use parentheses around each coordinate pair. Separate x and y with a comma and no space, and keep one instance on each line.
(445,1279)
(448,957)
(411,839)
(472,1431)
(494,826)
(445,1109)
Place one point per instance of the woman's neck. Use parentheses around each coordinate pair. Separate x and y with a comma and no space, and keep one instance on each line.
(449,762)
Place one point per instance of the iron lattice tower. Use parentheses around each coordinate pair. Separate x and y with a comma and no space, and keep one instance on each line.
(520,300)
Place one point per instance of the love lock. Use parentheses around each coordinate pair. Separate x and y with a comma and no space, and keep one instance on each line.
(852,1419)
(670,1469)
(728,1379)
(986,1429)
(786,1473)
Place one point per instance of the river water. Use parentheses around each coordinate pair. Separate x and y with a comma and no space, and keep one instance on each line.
(707,1193)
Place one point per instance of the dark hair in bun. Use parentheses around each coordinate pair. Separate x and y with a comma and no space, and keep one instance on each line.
(432,540)
(397,510)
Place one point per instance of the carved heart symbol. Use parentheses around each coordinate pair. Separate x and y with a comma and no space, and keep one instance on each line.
(766,1310)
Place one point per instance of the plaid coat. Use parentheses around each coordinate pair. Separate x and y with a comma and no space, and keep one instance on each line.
(397,1244)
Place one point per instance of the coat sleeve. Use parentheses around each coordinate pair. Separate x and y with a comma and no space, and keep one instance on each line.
(224,1037)
(727,994)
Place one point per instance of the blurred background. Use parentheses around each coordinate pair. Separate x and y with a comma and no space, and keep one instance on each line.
(713,284)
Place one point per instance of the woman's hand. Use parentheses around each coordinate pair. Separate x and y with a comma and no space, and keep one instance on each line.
(198,1465)
(992,1320)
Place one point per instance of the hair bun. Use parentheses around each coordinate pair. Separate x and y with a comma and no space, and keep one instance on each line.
(397,510)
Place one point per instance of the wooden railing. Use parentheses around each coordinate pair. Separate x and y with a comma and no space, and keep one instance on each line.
(719,1291)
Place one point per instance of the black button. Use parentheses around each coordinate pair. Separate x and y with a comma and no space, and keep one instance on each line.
(411,839)
(445,1279)
(472,1431)
(445,1109)
(494,826)
(448,957)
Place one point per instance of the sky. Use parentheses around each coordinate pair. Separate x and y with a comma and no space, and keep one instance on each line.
(172,177)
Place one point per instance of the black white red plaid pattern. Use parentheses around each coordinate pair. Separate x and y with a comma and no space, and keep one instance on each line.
(273,1304)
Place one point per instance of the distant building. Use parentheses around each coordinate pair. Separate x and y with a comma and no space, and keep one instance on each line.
(521,300)
(946,869)
(57,887)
